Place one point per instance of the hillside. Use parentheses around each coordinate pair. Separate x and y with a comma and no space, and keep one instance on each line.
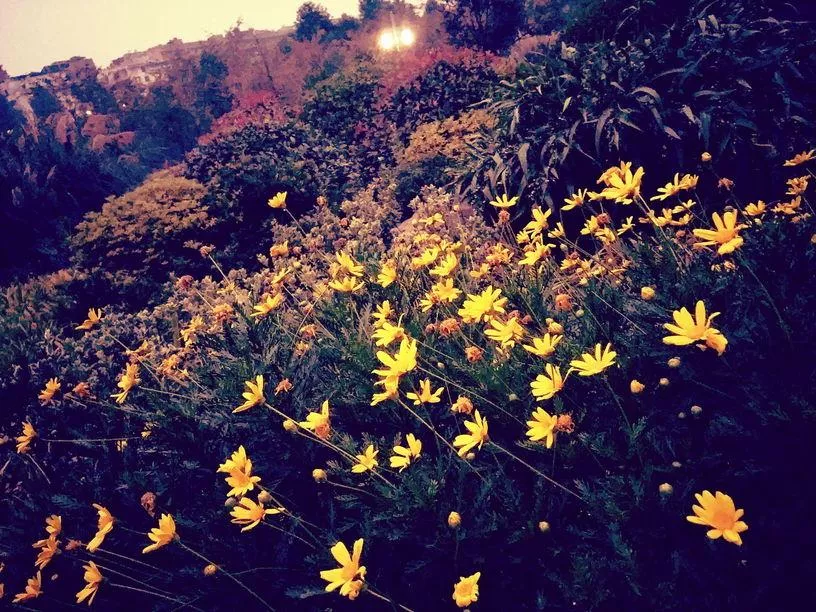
(501,305)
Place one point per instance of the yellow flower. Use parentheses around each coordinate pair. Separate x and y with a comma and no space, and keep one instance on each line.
(444,291)
(249,513)
(387,333)
(367,461)
(590,364)
(48,548)
(33,589)
(129,379)
(535,253)
(24,440)
(350,575)
(267,304)
(506,334)
(542,427)
(797,185)
(543,346)
(483,306)
(161,535)
(622,185)
(477,436)
(755,210)
(689,181)
(387,275)
(278,201)
(348,263)
(51,387)
(466,591)
(254,394)
(427,257)
(93,577)
(348,284)
(405,455)
(539,223)
(188,333)
(725,233)
(545,386)
(558,232)
(382,313)
(279,250)
(576,199)
(504,202)
(425,395)
(318,422)
(94,316)
(688,330)
(53,525)
(239,468)
(718,512)
(402,362)
(104,525)
(801,158)
(445,266)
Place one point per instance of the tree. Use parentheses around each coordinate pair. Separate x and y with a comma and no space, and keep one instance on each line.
(492,25)
(370,9)
(213,97)
(43,102)
(10,117)
(311,20)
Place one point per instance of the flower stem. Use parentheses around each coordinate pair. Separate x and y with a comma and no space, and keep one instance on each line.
(538,472)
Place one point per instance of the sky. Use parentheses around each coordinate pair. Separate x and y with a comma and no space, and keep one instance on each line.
(35,33)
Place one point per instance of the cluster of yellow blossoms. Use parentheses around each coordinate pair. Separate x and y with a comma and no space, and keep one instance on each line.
(440,265)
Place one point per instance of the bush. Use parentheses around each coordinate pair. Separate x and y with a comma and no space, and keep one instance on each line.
(598,517)
(722,80)
(443,91)
(138,239)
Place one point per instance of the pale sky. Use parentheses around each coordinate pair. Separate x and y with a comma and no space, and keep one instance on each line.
(34,33)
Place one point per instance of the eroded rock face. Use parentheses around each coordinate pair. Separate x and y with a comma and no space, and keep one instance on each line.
(120,139)
(96,125)
(64,126)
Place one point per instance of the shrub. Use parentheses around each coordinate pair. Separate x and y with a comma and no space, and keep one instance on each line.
(722,80)
(443,91)
(597,516)
(138,239)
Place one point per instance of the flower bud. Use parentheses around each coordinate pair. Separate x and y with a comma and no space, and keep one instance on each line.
(705,157)
(230,502)
(474,354)
(563,302)
(664,382)
(512,397)
(676,465)
(544,527)
(681,415)
(579,313)
(696,410)
(454,520)
(264,497)
(290,426)
(319,475)
(636,386)
(647,293)
(665,489)
(674,362)
(470,456)
(210,569)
